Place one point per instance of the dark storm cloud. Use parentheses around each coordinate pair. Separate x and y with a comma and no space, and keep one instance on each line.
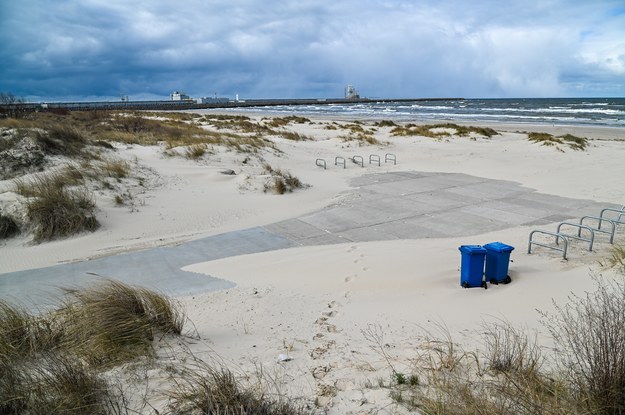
(94,48)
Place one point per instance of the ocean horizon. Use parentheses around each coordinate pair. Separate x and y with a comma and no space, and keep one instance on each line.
(608,112)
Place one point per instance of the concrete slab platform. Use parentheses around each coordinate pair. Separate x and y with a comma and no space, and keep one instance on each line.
(384,206)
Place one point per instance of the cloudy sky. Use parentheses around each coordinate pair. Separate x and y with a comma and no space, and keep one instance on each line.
(96,49)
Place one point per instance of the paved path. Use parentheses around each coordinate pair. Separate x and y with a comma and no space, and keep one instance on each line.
(402,205)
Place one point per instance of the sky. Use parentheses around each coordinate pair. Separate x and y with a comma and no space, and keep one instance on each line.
(145,49)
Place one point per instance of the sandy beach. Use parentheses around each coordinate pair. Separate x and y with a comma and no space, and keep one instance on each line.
(313,317)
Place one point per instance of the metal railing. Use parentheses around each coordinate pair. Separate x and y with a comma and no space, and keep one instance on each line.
(374,158)
(339,160)
(619,211)
(579,227)
(598,228)
(321,163)
(556,248)
(362,162)
(393,158)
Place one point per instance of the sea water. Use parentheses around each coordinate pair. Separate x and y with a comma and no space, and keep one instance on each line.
(554,111)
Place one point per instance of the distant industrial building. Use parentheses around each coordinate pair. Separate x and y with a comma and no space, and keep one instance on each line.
(351,93)
(211,100)
(179,96)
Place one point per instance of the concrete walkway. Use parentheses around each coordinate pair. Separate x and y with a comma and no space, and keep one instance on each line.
(402,205)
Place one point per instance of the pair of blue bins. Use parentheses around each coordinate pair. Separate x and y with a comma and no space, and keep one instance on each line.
(496,255)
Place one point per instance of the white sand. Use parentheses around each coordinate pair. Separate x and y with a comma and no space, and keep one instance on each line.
(319,305)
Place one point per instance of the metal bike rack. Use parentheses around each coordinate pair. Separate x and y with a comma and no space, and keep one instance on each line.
(618,220)
(598,229)
(373,158)
(556,248)
(339,160)
(362,162)
(392,157)
(321,163)
(579,233)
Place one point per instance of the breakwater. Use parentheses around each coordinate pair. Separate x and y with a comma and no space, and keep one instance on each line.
(190,104)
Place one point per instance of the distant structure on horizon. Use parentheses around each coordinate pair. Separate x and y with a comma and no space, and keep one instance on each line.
(351,93)
(179,96)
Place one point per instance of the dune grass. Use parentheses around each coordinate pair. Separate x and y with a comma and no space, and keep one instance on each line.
(281,181)
(207,390)
(429,130)
(546,139)
(511,374)
(53,362)
(54,210)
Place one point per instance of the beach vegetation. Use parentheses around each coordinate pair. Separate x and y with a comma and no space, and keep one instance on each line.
(546,139)
(616,259)
(61,139)
(584,373)
(208,390)
(590,346)
(278,122)
(55,210)
(294,136)
(54,362)
(280,181)
(361,138)
(385,123)
(8,227)
(441,130)
(195,151)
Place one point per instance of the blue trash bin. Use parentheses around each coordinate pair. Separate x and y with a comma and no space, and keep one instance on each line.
(472,266)
(497,261)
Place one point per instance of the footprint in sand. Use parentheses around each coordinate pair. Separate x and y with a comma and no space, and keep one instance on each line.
(351,278)
(351,249)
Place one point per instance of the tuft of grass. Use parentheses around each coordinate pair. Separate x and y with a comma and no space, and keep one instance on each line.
(364,138)
(115,168)
(281,182)
(8,227)
(510,350)
(546,139)
(52,385)
(294,136)
(195,151)
(217,391)
(56,211)
(114,322)
(278,122)
(429,130)
(61,139)
(385,123)
(616,258)
(51,363)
